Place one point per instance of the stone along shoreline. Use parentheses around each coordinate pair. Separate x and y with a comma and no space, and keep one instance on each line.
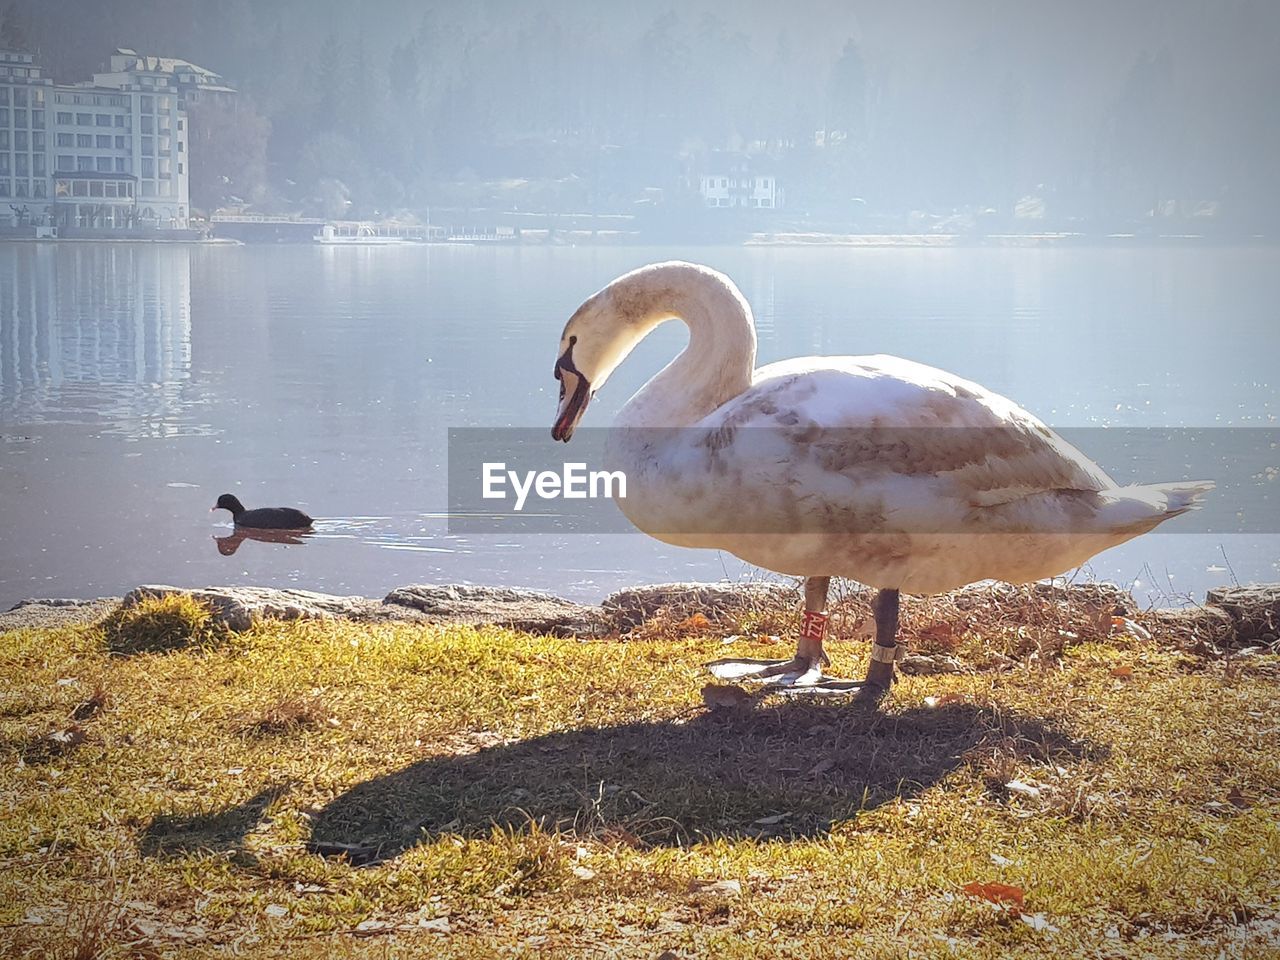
(1230,618)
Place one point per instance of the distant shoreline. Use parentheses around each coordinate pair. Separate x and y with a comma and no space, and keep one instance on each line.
(782,239)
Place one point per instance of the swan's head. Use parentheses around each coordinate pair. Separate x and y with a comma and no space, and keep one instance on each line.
(596,339)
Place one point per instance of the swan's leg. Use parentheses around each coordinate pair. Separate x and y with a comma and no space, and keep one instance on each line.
(885,649)
(802,671)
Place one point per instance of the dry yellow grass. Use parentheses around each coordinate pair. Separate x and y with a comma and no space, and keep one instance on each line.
(331,789)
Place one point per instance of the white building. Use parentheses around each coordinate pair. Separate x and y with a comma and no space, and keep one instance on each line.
(112,152)
(737,186)
(24,137)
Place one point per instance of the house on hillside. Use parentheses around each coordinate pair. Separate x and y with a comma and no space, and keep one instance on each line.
(737,181)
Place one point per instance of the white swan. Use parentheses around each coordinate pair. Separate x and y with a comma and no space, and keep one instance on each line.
(878,469)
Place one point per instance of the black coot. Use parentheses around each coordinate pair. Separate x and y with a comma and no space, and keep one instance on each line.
(264,518)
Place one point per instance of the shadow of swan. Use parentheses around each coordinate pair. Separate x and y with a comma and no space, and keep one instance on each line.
(792,770)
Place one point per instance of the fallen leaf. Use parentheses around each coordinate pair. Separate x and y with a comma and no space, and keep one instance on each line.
(72,736)
(1238,799)
(725,696)
(1037,921)
(1000,893)
(436,925)
(1024,789)
(723,888)
(771,820)
(1123,673)
(694,623)
(583,873)
(275,910)
(1125,625)
(1000,861)
(942,701)
(371,926)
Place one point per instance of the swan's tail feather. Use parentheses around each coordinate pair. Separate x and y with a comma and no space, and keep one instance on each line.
(1144,506)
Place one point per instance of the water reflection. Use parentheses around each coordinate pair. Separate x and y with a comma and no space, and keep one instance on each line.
(228,545)
(97,334)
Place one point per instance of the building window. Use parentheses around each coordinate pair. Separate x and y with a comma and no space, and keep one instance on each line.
(179,123)
(84,163)
(38,192)
(84,139)
(4,139)
(37,119)
(180,150)
(66,139)
(179,168)
(120,144)
(19,117)
(37,165)
(79,188)
(104,119)
(148,167)
(65,162)
(120,164)
(110,189)
(21,186)
(65,118)
(4,116)
(37,141)
(4,188)
(4,163)
(22,165)
(148,124)
(120,120)
(104,142)
(4,95)
(95,188)
(104,164)
(19,96)
(149,145)
(20,140)
(84,119)
(148,102)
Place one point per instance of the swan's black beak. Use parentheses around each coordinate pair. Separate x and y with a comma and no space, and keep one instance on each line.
(575,394)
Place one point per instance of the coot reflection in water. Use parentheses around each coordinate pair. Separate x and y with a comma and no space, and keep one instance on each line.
(229,544)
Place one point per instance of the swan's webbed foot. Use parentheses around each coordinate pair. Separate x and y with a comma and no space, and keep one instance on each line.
(799,675)
(802,674)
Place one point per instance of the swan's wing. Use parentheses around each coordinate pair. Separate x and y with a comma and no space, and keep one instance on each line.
(881,443)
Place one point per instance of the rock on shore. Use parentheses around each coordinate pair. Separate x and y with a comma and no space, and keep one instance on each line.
(1231,617)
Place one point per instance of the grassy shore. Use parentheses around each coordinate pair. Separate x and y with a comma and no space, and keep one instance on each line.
(326,789)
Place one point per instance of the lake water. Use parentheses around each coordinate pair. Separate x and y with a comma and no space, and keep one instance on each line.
(138,382)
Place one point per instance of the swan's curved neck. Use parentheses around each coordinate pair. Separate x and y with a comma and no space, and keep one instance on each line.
(718,362)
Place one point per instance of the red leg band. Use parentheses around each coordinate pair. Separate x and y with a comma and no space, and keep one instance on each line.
(814,625)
